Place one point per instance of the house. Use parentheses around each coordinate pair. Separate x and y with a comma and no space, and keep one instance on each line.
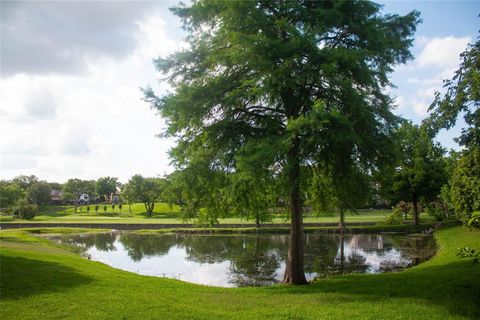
(114,197)
(56,196)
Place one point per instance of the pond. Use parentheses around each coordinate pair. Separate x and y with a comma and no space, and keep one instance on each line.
(249,260)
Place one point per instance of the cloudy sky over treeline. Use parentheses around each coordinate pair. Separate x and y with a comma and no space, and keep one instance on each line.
(71,73)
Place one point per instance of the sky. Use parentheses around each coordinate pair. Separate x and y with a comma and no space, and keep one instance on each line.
(71,73)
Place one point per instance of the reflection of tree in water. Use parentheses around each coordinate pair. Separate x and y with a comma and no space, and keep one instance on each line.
(415,248)
(253,259)
(320,253)
(138,246)
(82,242)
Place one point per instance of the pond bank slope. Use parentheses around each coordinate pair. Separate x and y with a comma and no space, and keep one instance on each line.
(39,280)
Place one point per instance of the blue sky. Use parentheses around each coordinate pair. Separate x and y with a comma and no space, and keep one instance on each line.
(73,108)
(446,26)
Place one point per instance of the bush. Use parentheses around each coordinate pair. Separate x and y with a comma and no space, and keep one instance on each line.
(396,217)
(25,210)
(438,209)
(105,208)
(96,208)
(88,209)
(474,221)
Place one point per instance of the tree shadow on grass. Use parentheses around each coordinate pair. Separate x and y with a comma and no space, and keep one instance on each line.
(454,286)
(22,277)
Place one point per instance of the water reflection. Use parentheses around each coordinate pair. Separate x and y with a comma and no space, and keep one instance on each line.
(249,260)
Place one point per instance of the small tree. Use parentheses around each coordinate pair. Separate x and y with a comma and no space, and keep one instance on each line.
(120,207)
(105,209)
(420,171)
(88,209)
(25,210)
(145,190)
(113,207)
(96,208)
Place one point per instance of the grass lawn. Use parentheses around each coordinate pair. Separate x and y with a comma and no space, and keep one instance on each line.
(164,214)
(41,281)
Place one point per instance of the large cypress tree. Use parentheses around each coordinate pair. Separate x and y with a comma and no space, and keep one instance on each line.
(300,82)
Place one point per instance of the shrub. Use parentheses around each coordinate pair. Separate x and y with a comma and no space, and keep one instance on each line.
(25,210)
(88,209)
(105,208)
(113,207)
(396,217)
(120,207)
(96,208)
(403,208)
(438,209)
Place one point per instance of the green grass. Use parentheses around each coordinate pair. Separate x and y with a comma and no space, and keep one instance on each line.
(41,281)
(165,215)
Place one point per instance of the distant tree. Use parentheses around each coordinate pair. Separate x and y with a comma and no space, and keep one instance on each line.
(25,182)
(105,208)
(25,210)
(78,187)
(88,209)
(338,190)
(10,193)
(145,190)
(96,208)
(105,186)
(420,171)
(120,206)
(55,185)
(39,193)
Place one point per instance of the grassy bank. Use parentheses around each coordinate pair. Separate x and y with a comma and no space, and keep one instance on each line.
(39,280)
(164,214)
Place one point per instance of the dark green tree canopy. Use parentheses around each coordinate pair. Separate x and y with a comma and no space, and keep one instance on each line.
(297,81)
(106,185)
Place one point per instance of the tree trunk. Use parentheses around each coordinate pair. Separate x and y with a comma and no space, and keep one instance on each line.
(257,221)
(294,272)
(341,224)
(416,220)
(342,254)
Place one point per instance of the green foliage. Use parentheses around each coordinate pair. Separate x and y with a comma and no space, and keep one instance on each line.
(105,186)
(419,173)
(439,209)
(399,212)
(96,208)
(465,185)
(105,208)
(25,182)
(467,252)
(145,190)
(25,210)
(462,96)
(474,221)
(10,193)
(78,187)
(39,193)
(288,83)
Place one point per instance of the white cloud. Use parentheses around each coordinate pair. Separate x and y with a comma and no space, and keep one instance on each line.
(442,52)
(420,108)
(89,125)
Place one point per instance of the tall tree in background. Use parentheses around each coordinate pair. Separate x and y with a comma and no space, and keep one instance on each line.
(39,193)
(303,81)
(420,172)
(78,187)
(105,186)
(25,181)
